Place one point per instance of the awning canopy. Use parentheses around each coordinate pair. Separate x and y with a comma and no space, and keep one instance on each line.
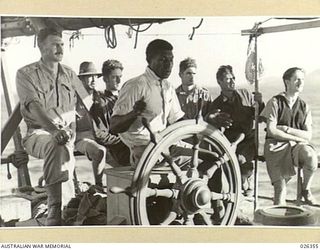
(258,29)
(12,26)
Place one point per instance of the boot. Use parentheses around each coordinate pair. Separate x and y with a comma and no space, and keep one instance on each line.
(309,198)
(54,215)
(250,189)
(54,205)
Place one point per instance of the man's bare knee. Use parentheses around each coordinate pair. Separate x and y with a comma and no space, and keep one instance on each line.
(308,157)
(99,154)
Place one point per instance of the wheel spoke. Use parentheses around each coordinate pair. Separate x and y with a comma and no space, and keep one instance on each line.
(169,193)
(206,218)
(223,196)
(190,177)
(195,155)
(208,210)
(175,168)
(189,220)
(223,159)
(171,217)
(184,164)
(205,152)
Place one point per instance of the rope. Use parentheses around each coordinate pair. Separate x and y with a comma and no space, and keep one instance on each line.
(35,41)
(75,35)
(9,176)
(110,36)
(138,31)
(194,29)
(19,158)
(258,24)
(96,25)
(136,37)
(296,18)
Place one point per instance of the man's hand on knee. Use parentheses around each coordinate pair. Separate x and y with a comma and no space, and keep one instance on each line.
(61,136)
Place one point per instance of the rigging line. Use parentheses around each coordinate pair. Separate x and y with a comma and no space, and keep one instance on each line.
(198,34)
(174,34)
(136,37)
(75,35)
(259,23)
(35,41)
(296,18)
(53,22)
(110,38)
(96,25)
(194,29)
(138,30)
(255,32)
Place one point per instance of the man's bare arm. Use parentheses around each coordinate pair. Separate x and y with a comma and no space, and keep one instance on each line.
(121,123)
(303,134)
(278,132)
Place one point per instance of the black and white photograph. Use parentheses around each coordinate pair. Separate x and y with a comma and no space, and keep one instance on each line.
(174,122)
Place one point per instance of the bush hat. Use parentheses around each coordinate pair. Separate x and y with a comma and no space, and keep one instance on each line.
(88,69)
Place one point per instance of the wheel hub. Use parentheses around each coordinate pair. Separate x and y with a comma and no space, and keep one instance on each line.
(195,195)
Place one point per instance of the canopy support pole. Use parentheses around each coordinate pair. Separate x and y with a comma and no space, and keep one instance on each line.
(256,118)
(22,170)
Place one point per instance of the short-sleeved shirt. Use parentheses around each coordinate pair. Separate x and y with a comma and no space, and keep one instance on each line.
(84,121)
(162,107)
(241,109)
(271,111)
(189,101)
(101,112)
(281,156)
(56,95)
(102,108)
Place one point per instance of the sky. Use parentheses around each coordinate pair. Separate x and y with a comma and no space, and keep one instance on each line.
(216,42)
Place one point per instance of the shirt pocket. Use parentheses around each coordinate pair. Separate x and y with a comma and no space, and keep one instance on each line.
(68,95)
(45,90)
(51,97)
(41,94)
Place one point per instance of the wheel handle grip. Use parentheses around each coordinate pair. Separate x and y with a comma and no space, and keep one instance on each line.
(238,140)
(119,190)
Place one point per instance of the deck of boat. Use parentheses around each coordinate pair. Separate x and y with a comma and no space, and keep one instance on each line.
(84,174)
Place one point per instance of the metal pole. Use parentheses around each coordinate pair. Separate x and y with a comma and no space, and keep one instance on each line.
(256,118)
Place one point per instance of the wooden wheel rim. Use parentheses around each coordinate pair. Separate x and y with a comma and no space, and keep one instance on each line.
(169,136)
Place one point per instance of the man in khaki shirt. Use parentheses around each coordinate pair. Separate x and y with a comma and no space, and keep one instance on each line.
(46,90)
(189,92)
(86,139)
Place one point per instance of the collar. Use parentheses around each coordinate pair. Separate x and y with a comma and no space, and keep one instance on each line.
(181,91)
(226,99)
(289,102)
(109,93)
(43,66)
(150,73)
(156,79)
